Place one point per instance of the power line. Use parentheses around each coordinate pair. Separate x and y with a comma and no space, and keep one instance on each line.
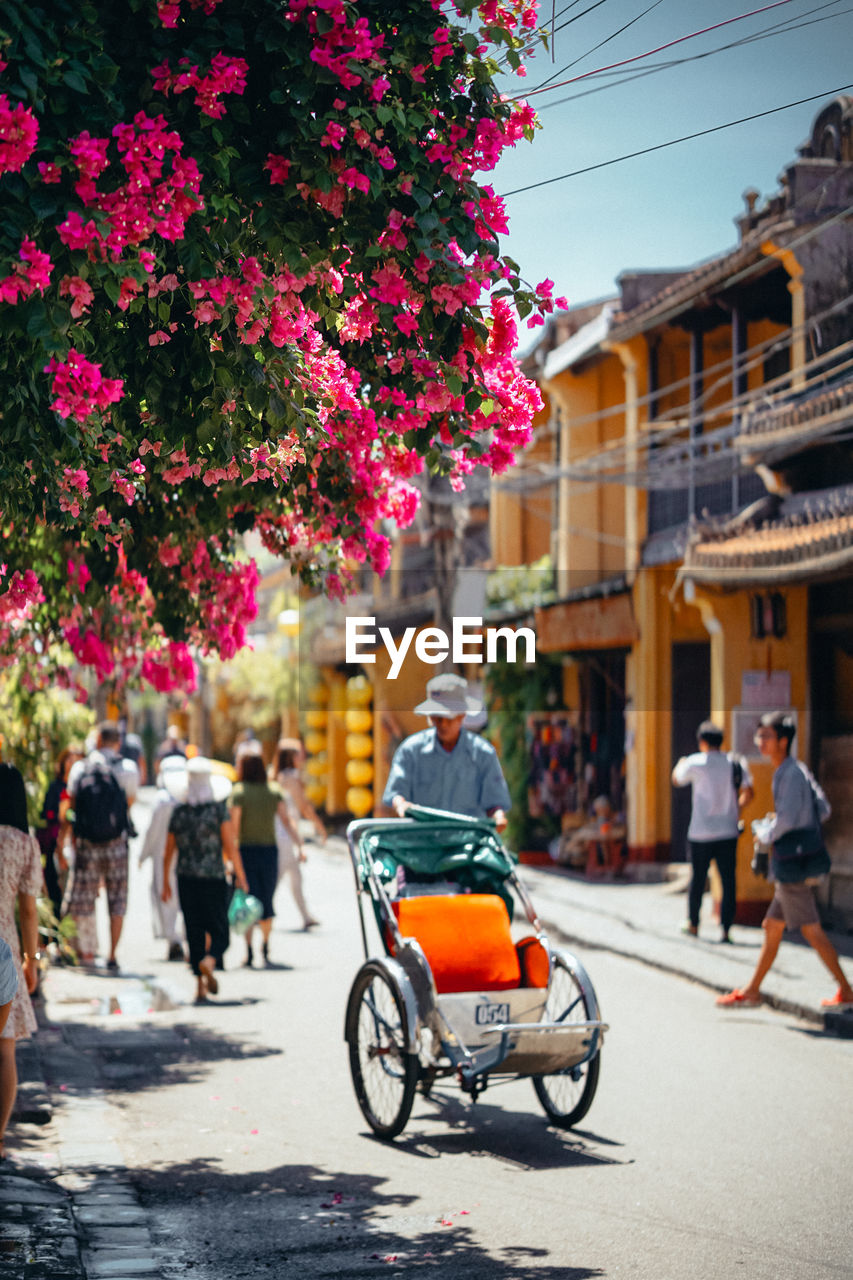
(603,42)
(649,52)
(688,137)
(777,29)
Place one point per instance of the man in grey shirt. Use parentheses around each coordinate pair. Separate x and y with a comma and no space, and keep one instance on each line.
(800,806)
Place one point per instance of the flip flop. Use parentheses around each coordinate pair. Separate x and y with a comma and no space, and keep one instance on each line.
(210,980)
(737,1000)
(836,1002)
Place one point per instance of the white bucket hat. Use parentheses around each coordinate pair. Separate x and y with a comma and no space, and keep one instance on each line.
(193,778)
(448,695)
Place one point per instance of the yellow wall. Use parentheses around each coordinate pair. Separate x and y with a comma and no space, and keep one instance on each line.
(521,522)
(584,558)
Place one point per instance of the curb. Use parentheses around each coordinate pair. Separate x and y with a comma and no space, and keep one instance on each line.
(839,1023)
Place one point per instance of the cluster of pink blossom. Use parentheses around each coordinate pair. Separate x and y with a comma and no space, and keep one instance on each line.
(170,667)
(79,387)
(154,198)
(226,75)
(18,134)
(31,273)
(169,11)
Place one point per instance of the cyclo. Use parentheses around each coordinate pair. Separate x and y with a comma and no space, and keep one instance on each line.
(454,991)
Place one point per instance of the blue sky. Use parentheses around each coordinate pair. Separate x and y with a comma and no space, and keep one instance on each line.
(674,207)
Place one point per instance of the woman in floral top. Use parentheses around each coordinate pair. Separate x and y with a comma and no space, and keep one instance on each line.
(200,832)
(21,882)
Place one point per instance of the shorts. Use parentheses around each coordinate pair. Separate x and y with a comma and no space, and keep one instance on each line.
(260,863)
(795,904)
(92,863)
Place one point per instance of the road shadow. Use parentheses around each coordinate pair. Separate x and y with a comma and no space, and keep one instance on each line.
(305,1220)
(522,1139)
(129,1058)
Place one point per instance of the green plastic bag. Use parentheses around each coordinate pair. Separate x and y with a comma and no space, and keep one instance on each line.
(244,910)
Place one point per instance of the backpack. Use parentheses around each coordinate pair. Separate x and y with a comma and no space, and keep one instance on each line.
(100,805)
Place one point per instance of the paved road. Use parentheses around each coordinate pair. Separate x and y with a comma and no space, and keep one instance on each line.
(717,1142)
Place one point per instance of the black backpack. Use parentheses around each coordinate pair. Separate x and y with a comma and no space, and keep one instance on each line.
(100,805)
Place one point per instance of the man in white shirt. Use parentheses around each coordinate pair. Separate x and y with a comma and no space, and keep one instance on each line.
(722,786)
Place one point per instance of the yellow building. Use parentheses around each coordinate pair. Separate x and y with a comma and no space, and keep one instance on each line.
(694,441)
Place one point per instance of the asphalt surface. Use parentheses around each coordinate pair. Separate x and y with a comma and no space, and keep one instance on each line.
(67,1212)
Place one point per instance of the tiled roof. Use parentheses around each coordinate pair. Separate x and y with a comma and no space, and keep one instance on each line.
(796,421)
(708,275)
(810,537)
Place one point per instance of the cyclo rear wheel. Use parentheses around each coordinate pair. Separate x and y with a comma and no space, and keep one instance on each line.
(567,1096)
(384,1073)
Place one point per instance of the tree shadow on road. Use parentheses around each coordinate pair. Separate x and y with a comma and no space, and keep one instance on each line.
(308,1221)
(137,1057)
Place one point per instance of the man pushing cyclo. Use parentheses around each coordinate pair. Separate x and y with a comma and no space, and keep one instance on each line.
(447,766)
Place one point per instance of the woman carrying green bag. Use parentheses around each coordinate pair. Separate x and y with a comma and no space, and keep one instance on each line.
(201,833)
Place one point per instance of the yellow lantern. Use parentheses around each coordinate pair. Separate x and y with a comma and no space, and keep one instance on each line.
(315,743)
(359,720)
(316,793)
(319,694)
(359,691)
(359,801)
(359,746)
(359,773)
(316,717)
(317,766)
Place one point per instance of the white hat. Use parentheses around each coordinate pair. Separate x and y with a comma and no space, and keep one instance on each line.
(448,695)
(192,778)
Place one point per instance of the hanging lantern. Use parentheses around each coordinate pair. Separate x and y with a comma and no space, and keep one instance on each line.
(317,766)
(315,742)
(359,720)
(359,801)
(359,691)
(359,773)
(359,746)
(316,793)
(316,717)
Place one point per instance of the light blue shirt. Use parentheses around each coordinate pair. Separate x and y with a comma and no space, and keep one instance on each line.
(8,973)
(466,780)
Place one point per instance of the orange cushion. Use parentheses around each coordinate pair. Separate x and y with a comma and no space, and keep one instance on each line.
(466,939)
(534,962)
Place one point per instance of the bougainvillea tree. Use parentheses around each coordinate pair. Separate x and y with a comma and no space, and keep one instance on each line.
(250,279)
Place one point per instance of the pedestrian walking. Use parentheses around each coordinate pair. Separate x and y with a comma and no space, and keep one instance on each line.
(447,766)
(291,854)
(721,787)
(255,803)
(8,983)
(48,834)
(101,788)
(797,861)
(20,884)
(166,920)
(201,834)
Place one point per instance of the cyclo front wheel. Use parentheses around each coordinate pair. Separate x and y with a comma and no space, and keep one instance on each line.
(567,1096)
(384,1073)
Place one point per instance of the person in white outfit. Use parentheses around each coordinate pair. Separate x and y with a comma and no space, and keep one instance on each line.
(722,786)
(166,918)
(291,853)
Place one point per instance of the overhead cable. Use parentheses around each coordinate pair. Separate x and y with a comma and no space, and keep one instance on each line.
(777,4)
(689,137)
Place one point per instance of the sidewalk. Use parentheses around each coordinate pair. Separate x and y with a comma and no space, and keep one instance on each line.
(643,921)
(67,1208)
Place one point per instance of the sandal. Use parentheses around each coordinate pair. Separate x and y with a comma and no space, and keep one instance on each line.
(837,1002)
(737,1000)
(210,980)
